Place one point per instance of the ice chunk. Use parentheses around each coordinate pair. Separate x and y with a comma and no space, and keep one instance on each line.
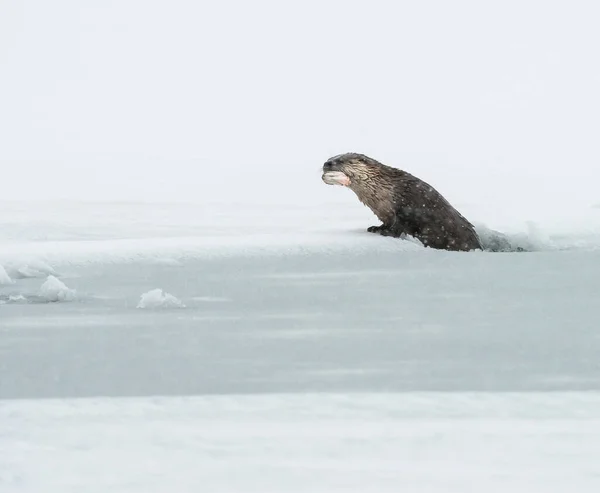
(54,289)
(4,277)
(157,298)
(30,268)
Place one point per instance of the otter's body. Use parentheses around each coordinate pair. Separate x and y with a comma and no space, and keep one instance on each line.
(405,204)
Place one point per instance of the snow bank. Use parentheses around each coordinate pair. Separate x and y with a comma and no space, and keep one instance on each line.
(54,290)
(157,298)
(4,277)
(169,234)
(531,240)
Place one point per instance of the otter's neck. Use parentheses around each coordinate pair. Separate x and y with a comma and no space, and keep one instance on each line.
(377,193)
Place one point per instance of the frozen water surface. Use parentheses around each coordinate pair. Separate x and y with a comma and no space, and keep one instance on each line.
(380,321)
(319,359)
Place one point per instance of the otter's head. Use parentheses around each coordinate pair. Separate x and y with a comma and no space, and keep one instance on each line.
(351,170)
(372,182)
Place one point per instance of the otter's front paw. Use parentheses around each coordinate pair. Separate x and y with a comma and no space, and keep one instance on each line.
(375,229)
(389,232)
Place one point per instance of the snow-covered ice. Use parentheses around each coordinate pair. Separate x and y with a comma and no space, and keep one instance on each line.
(157,298)
(430,442)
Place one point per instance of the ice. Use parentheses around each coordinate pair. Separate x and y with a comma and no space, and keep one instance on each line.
(210,299)
(166,261)
(53,289)
(338,321)
(4,277)
(35,268)
(156,298)
(21,268)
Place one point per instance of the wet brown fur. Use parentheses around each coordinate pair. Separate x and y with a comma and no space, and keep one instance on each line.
(405,204)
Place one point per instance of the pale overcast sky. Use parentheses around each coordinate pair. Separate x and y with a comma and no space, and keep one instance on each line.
(197,100)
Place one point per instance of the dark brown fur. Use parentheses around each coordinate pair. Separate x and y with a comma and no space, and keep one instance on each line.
(405,204)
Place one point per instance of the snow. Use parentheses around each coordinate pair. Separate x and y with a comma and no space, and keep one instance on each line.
(167,232)
(156,298)
(431,442)
(54,289)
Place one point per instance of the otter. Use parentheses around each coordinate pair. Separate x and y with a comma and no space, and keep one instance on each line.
(403,203)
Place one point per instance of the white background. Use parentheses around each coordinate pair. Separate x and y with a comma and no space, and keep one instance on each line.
(235,100)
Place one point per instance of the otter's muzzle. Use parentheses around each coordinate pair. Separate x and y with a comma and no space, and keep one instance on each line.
(335,178)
